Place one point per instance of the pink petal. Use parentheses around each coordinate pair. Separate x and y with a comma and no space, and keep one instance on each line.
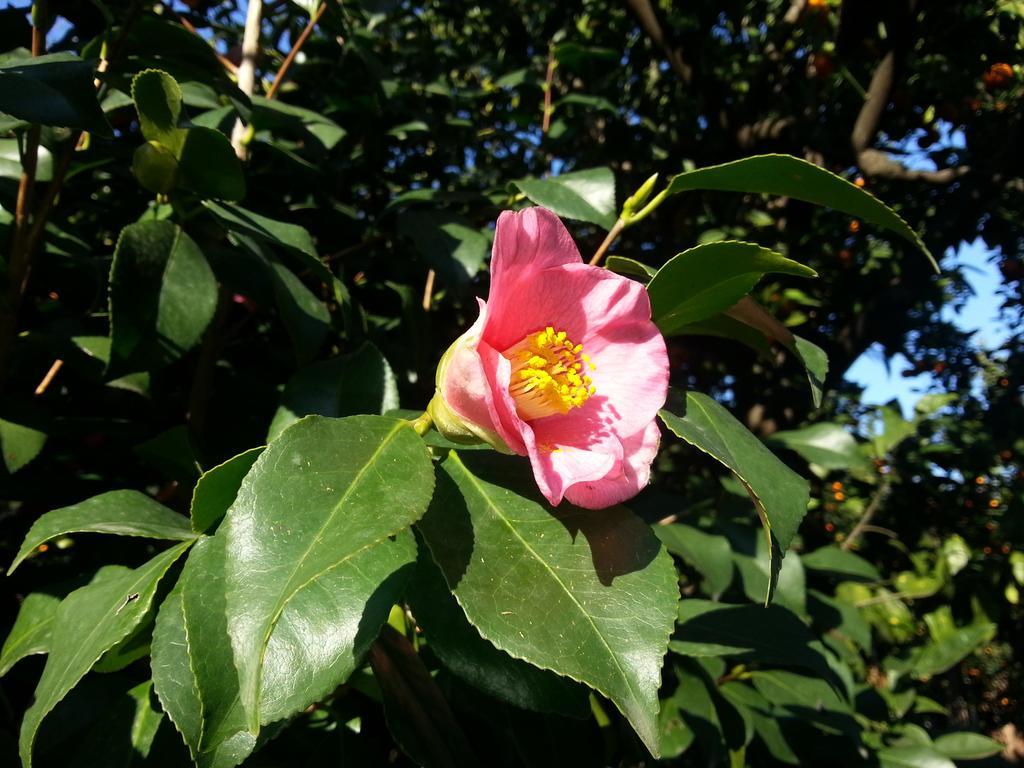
(630,375)
(627,479)
(466,389)
(502,408)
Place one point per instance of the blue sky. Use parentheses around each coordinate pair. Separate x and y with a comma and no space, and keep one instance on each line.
(979,315)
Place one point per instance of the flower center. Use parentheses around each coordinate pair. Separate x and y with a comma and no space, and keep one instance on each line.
(548,374)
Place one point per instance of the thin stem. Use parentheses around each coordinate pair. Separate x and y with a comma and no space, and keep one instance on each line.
(19,266)
(48,378)
(613,233)
(881,494)
(296,47)
(225,62)
(428,290)
(548,87)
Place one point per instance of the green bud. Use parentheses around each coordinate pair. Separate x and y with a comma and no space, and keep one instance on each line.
(639,197)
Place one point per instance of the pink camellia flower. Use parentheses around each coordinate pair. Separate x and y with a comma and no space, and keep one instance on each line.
(563,365)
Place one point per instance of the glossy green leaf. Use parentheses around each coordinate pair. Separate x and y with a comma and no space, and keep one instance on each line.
(587,195)
(938,656)
(449,243)
(54,89)
(757,569)
(723,326)
(123,513)
(31,631)
(779,494)
(801,180)
(10,161)
(90,621)
(461,649)
(157,98)
(361,382)
(279,233)
(767,635)
(709,553)
(193,668)
(589,594)
(710,278)
(763,717)
(209,166)
(967,746)
(19,444)
(913,756)
(278,116)
(809,698)
(827,445)
(839,562)
(292,579)
(162,296)
(815,362)
(217,488)
(630,268)
(305,317)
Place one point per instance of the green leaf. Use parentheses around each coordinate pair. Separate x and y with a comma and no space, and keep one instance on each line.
(123,513)
(209,166)
(20,444)
(461,649)
(417,713)
(589,594)
(764,718)
(827,445)
(936,657)
(193,669)
(767,635)
(162,296)
(799,179)
(808,698)
(839,562)
(55,89)
(449,243)
(31,631)
(286,571)
(967,746)
(157,98)
(89,622)
(913,756)
(708,279)
(305,317)
(724,326)
(10,161)
(778,493)
(709,553)
(587,195)
(279,233)
(275,115)
(630,268)
(815,362)
(361,382)
(217,488)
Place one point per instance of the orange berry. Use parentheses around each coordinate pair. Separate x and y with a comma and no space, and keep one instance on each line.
(987,550)
(993,503)
(979,480)
(829,527)
(854,227)
(837,486)
(859,181)
(44,547)
(840,497)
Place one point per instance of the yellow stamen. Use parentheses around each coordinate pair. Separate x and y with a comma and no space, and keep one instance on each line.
(548,374)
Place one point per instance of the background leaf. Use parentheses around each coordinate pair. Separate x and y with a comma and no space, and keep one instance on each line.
(587,195)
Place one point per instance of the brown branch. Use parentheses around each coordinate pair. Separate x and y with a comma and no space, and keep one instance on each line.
(19,266)
(874,162)
(48,378)
(247,71)
(881,494)
(649,21)
(428,290)
(296,47)
(602,249)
